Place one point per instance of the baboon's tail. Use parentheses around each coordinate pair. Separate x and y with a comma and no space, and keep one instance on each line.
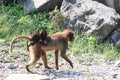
(11,44)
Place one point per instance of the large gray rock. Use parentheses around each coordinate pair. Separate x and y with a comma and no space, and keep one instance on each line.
(90,17)
(112,3)
(117,44)
(1,1)
(115,36)
(21,1)
(41,5)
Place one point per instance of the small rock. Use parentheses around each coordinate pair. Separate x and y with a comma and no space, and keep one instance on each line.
(38,65)
(52,76)
(2,66)
(117,64)
(117,44)
(115,76)
(12,66)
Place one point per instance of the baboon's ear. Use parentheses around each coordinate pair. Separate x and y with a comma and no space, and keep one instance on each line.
(43,33)
(71,36)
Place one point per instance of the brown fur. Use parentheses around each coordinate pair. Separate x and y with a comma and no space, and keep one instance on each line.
(41,36)
(59,43)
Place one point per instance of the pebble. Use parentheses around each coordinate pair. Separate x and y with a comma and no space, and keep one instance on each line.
(12,66)
(117,64)
(38,65)
(115,76)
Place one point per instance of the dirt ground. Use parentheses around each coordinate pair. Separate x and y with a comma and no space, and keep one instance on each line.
(82,70)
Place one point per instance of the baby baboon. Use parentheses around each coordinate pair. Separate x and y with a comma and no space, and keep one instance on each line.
(39,37)
(35,46)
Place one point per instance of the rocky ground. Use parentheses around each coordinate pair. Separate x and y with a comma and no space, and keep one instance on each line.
(14,66)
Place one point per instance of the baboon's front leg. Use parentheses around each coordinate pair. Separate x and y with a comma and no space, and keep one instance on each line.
(64,56)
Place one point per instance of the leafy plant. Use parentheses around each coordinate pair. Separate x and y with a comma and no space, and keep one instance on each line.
(57,19)
(14,22)
(85,44)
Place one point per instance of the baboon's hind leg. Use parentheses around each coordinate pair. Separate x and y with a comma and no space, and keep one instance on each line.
(34,58)
(44,59)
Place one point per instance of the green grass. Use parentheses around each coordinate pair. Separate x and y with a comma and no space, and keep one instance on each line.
(14,22)
(90,44)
